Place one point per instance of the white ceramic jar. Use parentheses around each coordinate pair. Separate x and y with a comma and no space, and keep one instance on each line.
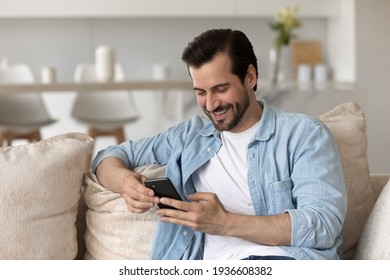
(104,63)
(48,74)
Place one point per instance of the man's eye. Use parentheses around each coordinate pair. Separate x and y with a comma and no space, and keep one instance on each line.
(221,89)
(200,92)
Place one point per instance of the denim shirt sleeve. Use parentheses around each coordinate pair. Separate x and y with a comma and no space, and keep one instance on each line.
(150,150)
(318,191)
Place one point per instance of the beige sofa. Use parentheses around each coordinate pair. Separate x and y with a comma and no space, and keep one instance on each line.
(51,208)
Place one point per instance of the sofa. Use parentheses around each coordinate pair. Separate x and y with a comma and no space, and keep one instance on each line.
(53,207)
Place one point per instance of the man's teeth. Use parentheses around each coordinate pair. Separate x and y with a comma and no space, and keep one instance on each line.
(220,112)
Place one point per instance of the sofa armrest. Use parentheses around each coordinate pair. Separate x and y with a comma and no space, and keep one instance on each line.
(377,182)
(374,242)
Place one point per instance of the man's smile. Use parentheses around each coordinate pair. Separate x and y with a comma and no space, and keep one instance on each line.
(219,113)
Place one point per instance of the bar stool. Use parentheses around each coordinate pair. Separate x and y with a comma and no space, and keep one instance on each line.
(22,115)
(104,112)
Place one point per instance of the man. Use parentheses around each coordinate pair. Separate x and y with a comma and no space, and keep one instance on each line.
(258,183)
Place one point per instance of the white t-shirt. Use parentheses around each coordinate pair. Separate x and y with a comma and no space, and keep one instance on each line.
(226,175)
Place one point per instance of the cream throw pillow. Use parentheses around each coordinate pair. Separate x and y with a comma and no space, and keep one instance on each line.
(40,188)
(347,125)
(374,242)
(113,232)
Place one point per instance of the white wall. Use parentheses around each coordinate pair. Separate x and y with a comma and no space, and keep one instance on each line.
(373,75)
(341,40)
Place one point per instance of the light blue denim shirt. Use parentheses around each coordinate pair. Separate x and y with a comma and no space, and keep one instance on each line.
(294,167)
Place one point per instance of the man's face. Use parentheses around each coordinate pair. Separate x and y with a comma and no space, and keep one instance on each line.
(221,95)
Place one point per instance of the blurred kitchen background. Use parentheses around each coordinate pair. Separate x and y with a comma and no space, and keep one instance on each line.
(353,35)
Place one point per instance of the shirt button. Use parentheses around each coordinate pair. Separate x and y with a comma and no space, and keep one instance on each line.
(185,233)
(209,149)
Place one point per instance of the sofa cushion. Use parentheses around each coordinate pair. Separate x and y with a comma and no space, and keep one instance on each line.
(347,125)
(374,243)
(40,188)
(113,232)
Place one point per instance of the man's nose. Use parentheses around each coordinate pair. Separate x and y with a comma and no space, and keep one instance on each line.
(212,102)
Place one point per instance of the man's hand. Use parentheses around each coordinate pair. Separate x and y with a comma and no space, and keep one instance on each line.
(115,176)
(138,198)
(204,213)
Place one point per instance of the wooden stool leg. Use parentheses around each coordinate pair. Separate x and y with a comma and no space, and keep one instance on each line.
(9,136)
(34,136)
(92,132)
(118,133)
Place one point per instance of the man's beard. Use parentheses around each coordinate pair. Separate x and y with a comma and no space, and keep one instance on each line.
(238,110)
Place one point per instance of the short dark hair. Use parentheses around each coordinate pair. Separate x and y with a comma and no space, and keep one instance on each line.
(215,41)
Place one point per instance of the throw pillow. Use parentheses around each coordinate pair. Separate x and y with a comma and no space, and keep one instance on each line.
(113,232)
(347,125)
(374,242)
(40,189)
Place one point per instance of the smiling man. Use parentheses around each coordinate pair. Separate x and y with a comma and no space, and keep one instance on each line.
(257,182)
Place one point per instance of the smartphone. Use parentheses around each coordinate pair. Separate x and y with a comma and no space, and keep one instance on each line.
(163,187)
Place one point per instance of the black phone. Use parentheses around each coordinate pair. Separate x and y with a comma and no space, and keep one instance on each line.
(163,187)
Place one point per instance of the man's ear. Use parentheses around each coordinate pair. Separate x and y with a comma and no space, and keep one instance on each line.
(251,75)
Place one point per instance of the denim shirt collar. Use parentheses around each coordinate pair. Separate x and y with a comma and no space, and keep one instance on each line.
(267,123)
